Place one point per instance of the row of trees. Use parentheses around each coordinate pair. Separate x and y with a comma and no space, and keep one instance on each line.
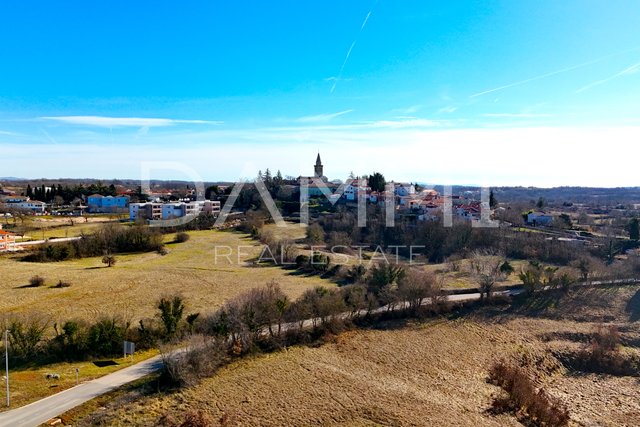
(108,239)
(67,194)
(31,341)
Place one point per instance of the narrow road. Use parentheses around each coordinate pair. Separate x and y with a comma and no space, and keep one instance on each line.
(40,242)
(36,413)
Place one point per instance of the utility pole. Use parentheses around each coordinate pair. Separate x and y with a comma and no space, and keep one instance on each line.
(6,363)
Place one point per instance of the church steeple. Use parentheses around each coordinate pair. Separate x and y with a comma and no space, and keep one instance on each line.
(318,167)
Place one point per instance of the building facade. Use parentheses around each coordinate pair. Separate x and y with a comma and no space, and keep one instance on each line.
(98,203)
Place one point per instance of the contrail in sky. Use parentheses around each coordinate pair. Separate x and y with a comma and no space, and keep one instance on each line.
(346,58)
(635,68)
(553,73)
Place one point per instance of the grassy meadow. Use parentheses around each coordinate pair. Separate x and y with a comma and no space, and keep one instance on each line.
(132,286)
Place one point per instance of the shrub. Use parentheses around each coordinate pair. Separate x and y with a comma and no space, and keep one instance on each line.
(26,334)
(524,397)
(62,284)
(72,342)
(602,355)
(181,237)
(109,260)
(105,337)
(382,275)
(356,273)
(506,268)
(315,234)
(302,261)
(319,262)
(171,310)
(202,358)
(36,282)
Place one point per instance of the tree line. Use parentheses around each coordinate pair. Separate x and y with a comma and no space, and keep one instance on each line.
(68,194)
(106,240)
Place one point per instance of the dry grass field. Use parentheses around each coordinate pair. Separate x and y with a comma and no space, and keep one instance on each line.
(431,373)
(47,227)
(131,287)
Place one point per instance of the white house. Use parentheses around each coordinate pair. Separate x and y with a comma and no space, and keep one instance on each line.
(404,189)
(34,206)
(352,187)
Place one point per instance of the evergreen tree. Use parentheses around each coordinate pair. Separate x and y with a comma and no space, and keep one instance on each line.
(493,202)
(377,182)
(634,229)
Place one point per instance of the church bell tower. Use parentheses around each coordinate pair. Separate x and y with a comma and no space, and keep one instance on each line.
(318,168)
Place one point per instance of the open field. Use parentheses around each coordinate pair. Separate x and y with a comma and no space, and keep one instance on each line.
(47,227)
(431,373)
(132,286)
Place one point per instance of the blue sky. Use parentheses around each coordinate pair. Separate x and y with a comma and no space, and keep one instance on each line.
(431,91)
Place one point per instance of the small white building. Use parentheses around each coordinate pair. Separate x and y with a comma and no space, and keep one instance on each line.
(353,186)
(404,189)
(33,206)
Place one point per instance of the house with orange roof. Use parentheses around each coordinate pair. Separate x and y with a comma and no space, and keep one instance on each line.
(7,241)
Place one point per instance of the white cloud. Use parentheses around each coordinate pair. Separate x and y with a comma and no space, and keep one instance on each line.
(405,123)
(517,115)
(485,156)
(109,122)
(407,111)
(449,109)
(319,118)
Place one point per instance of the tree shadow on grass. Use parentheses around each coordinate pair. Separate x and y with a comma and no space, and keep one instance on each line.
(28,286)
(633,307)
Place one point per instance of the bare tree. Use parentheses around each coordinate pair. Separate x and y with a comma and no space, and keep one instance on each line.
(485,267)
(416,286)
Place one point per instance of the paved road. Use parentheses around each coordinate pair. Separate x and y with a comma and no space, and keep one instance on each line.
(40,242)
(39,412)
